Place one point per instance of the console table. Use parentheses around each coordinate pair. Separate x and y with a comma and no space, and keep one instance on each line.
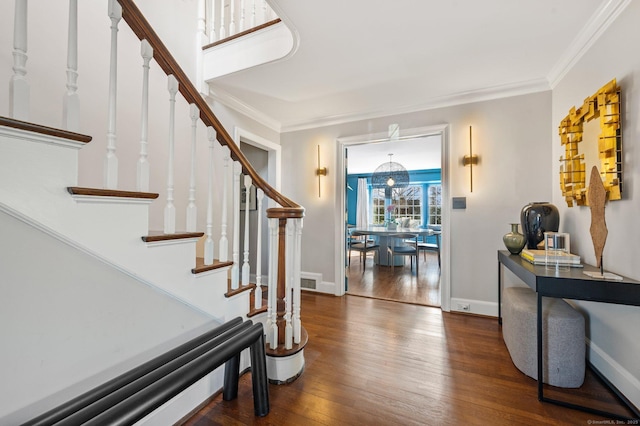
(571,284)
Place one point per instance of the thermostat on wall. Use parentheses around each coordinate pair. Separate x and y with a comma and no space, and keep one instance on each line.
(459,202)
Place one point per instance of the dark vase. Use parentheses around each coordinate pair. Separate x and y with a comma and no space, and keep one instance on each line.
(536,219)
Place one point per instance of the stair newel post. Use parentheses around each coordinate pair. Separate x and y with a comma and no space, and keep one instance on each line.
(170,208)
(223,252)
(288,330)
(192,209)
(232,17)
(272,323)
(297,249)
(223,31)
(111,161)
(246,269)
(18,85)
(258,295)
(235,270)
(208,242)
(212,22)
(243,24)
(71,100)
(142,181)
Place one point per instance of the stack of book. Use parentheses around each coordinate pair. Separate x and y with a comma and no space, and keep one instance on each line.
(539,257)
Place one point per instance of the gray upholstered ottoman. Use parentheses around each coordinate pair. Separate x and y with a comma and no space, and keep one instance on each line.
(563,332)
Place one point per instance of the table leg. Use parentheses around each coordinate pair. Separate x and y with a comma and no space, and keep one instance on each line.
(539,325)
(499,294)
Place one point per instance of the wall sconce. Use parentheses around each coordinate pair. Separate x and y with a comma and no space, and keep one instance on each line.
(320,171)
(471,159)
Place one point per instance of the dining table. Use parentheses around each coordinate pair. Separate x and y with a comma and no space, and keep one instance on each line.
(385,234)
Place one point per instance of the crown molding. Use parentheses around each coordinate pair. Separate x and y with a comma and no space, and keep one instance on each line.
(467,97)
(223,97)
(590,33)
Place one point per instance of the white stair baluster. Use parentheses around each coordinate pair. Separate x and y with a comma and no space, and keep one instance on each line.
(258,296)
(18,84)
(208,243)
(232,17)
(111,161)
(192,209)
(297,248)
(71,100)
(243,24)
(253,13)
(223,252)
(272,286)
(265,11)
(223,31)
(170,208)
(212,22)
(202,17)
(235,270)
(288,330)
(246,269)
(142,181)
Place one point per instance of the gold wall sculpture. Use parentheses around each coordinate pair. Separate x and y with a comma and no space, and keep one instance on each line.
(605,105)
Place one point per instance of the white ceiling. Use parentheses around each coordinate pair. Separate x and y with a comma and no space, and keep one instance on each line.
(360,59)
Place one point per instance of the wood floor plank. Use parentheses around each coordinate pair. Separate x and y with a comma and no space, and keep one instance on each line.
(374,362)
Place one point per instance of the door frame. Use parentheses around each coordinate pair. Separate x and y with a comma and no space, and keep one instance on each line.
(340,208)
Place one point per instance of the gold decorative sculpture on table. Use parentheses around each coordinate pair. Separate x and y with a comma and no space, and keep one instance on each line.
(605,105)
(597,198)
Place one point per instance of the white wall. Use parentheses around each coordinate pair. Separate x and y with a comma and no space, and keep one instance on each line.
(65,326)
(613,330)
(511,136)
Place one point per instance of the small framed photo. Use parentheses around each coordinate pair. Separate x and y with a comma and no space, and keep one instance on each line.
(251,201)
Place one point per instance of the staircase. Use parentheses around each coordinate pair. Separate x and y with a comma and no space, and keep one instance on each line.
(203,265)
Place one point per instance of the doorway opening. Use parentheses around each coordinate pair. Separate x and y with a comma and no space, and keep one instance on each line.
(429,181)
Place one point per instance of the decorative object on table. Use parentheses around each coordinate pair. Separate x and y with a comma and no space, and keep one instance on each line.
(556,249)
(514,240)
(578,140)
(537,218)
(539,257)
(470,160)
(391,220)
(597,197)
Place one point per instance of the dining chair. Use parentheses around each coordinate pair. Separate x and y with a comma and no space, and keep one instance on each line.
(361,243)
(424,247)
(403,244)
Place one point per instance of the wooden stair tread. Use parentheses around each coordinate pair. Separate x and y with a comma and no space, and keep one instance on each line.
(240,289)
(242,34)
(154,236)
(201,267)
(99,192)
(281,351)
(44,130)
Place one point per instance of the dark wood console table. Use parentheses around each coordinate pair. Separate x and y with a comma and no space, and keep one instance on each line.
(571,284)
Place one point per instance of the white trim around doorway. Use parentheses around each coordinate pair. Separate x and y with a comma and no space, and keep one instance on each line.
(340,208)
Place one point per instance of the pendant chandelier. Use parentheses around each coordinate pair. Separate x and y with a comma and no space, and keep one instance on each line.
(390,175)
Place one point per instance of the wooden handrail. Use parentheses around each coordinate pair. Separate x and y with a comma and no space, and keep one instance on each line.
(142,29)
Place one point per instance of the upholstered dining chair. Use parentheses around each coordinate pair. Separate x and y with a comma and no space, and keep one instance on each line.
(361,243)
(424,247)
(403,244)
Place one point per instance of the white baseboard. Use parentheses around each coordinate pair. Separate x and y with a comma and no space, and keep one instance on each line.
(620,377)
(477,307)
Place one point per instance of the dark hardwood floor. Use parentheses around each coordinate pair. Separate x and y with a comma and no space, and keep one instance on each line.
(398,283)
(376,362)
